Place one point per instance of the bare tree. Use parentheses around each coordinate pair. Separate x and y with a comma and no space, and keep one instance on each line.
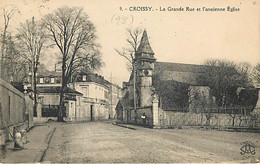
(32,38)
(256,74)
(15,64)
(245,71)
(133,41)
(7,14)
(129,52)
(73,33)
(224,78)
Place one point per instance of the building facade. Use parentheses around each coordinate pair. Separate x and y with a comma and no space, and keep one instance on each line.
(89,97)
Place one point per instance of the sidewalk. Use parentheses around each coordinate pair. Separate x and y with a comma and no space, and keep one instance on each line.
(34,151)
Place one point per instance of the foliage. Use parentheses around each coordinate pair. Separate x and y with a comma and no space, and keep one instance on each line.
(173,95)
(223,78)
(247,100)
(256,74)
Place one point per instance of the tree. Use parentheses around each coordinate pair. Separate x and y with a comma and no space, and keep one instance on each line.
(129,52)
(202,102)
(32,37)
(133,41)
(15,64)
(7,14)
(173,95)
(256,74)
(73,33)
(224,78)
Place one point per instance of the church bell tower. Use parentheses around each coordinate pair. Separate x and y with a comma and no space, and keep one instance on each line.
(144,58)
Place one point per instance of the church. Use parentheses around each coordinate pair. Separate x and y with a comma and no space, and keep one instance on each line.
(163,91)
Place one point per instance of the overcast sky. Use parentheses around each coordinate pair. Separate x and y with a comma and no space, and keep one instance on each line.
(183,37)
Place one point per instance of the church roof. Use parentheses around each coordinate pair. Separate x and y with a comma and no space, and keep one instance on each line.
(166,66)
(125,103)
(144,46)
(184,73)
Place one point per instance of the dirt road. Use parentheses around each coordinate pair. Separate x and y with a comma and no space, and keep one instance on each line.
(104,142)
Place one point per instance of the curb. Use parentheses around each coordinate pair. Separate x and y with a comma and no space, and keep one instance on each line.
(123,126)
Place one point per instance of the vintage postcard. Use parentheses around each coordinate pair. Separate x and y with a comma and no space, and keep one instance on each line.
(128,81)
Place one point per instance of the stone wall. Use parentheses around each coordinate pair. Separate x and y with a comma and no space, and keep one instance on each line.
(13,111)
(171,119)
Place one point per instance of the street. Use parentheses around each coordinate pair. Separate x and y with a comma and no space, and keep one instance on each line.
(105,142)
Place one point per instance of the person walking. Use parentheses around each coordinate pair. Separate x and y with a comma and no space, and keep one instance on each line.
(143,117)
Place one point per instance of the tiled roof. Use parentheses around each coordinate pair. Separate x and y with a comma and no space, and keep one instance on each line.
(56,89)
(49,74)
(126,103)
(166,66)
(184,73)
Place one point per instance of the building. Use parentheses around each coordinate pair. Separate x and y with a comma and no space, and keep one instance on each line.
(88,98)
(99,96)
(163,89)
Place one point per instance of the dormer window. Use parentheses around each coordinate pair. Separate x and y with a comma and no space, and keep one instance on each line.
(41,80)
(84,78)
(52,80)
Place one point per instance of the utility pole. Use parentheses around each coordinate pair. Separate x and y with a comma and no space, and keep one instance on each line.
(33,53)
(134,91)
(111,98)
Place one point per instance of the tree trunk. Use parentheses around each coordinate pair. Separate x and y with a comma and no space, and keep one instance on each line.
(61,107)
(208,119)
(64,84)
(201,119)
(233,120)
(34,91)
(208,122)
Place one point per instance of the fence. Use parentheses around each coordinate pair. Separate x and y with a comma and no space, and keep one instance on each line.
(50,110)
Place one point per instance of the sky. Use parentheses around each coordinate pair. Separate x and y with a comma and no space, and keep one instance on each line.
(186,36)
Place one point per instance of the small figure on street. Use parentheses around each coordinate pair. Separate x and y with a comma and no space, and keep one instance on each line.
(24,137)
(143,117)
(18,141)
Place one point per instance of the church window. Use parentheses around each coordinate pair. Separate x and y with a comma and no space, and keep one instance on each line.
(146,72)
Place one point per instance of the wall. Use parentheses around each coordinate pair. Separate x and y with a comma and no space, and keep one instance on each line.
(29,110)
(81,111)
(168,119)
(12,110)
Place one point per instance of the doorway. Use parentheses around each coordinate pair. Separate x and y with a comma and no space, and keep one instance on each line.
(91,112)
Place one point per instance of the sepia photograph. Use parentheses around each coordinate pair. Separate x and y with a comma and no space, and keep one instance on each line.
(129,81)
